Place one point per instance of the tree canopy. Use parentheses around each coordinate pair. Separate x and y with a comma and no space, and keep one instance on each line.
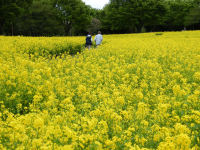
(74,17)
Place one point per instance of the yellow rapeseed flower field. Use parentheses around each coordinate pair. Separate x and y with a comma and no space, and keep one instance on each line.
(134,92)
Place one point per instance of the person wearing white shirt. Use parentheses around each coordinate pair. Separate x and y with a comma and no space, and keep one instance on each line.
(98,38)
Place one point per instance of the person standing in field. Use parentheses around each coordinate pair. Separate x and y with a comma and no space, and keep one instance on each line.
(88,41)
(98,39)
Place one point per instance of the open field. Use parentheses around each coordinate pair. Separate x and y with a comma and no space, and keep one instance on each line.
(136,91)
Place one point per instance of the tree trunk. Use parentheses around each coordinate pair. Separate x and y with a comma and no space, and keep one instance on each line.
(67,28)
(1,29)
(139,28)
(12,28)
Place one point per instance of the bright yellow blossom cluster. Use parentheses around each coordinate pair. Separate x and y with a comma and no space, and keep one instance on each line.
(134,92)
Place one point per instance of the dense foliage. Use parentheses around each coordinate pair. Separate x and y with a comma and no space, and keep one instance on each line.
(136,91)
(73,17)
(125,16)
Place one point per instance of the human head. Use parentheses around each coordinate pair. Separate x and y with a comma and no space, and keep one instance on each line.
(99,32)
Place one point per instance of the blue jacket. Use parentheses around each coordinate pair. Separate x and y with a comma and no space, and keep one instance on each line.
(88,40)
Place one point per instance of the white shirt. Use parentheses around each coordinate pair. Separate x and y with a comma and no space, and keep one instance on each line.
(98,39)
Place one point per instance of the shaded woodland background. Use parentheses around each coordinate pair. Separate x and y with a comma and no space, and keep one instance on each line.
(74,17)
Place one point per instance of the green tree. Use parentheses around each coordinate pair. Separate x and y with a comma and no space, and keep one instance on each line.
(132,15)
(9,11)
(75,15)
(193,17)
(94,26)
(40,20)
(176,12)
(95,23)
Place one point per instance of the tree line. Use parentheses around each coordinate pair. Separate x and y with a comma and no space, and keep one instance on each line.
(74,17)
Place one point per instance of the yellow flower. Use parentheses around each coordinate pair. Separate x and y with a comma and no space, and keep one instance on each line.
(120,96)
(197,76)
(38,123)
(120,101)
(167,146)
(182,141)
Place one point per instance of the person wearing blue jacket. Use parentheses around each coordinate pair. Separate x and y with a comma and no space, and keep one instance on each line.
(88,41)
(98,39)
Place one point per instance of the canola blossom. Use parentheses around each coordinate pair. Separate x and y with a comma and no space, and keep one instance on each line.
(134,92)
